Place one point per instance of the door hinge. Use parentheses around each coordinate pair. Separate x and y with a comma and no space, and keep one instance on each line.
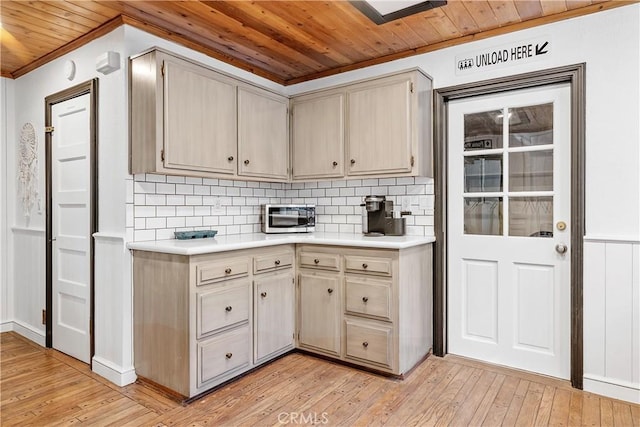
(49,129)
(44,317)
(162,155)
(413,160)
(411,87)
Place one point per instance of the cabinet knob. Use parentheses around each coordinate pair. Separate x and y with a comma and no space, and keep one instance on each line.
(353,161)
(228,355)
(330,290)
(263,294)
(230,158)
(335,164)
(365,265)
(246,162)
(317,261)
(277,262)
(227,271)
(228,308)
(365,344)
(365,299)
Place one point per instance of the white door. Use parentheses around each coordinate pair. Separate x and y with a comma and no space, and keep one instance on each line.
(509,233)
(71,226)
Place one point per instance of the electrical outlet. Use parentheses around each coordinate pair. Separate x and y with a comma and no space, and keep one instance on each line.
(406,203)
(217,205)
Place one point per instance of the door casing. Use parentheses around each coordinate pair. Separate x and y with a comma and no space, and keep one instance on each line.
(89,87)
(575,76)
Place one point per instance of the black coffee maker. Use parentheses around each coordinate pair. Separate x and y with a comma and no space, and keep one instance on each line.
(376,210)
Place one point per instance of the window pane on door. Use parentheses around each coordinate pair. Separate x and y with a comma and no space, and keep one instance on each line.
(531,216)
(483,173)
(483,131)
(531,125)
(483,215)
(531,171)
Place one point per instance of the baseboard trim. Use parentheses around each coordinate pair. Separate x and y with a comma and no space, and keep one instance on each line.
(24,330)
(112,372)
(611,388)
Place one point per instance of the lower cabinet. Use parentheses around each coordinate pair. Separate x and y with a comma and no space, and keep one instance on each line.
(320,311)
(274,315)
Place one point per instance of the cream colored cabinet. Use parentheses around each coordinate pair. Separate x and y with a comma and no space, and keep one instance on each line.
(386,131)
(263,129)
(274,314)
(320,310)
(187,119)
(317,136)
(383,318)
(183,117)
(201,320)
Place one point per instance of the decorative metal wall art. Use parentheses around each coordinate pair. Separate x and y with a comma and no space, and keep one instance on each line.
(28,168)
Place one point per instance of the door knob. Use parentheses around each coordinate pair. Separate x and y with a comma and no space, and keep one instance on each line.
(335,164)
(246,162)
(561,248)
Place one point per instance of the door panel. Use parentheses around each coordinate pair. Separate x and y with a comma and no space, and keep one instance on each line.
(508,187)
(71,226)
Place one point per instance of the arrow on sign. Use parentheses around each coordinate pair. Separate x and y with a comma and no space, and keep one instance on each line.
(540,50)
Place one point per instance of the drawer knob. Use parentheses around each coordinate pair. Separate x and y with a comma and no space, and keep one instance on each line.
(227,271)
(263,294)
(364,265)
(317,261)
(228,355)
(330,290)
(353,162)
(228,308)
(246,162)
(230,158)
(335,164)
(365,299)
(365,344)
(277,262)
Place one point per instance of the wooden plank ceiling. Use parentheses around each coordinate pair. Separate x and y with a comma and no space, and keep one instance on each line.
(285,41)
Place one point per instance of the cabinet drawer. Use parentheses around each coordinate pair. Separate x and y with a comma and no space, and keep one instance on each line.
(220,308)
(320,260)
(372,298)
(223,354)
(265,263)
(370,342)
(215,272)
(373,265)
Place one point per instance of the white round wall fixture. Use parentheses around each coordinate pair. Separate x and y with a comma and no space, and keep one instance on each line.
(69,69)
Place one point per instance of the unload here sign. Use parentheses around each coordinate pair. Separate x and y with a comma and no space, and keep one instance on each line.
(516,53)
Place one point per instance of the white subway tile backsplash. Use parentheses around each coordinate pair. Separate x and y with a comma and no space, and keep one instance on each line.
(159,205)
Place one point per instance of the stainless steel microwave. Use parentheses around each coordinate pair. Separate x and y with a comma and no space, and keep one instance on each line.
(288,218)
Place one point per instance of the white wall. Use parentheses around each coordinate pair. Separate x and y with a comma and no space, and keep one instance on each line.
(606,41)
(6,99)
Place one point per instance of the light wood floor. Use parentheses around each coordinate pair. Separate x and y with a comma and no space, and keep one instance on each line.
(44,387)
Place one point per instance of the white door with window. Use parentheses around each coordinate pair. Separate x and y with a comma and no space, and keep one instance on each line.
(71,226)
(509,204)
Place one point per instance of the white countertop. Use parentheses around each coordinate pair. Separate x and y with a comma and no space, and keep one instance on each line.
(257,240)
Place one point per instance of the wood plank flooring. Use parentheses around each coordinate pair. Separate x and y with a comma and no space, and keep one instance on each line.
(44,387)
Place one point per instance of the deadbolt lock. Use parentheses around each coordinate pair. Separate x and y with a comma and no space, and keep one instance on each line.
(561,225)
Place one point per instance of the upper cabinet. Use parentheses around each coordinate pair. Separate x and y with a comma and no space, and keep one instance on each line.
(317,134)
(262,126)
(379,127)
(187,119)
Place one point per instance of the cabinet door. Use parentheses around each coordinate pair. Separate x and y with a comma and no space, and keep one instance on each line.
(320,312)
(274,310)
(263,144)
(199,119)
(380,123)
(318,137)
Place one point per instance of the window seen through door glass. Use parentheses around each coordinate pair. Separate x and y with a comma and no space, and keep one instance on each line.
(531,216)
(483,131)
(531,171)
(483,215)
(531,125)
(483,173)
